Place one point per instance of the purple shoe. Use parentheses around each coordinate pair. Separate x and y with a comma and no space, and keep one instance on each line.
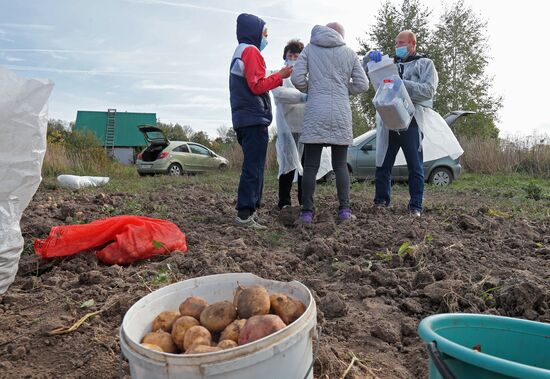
(306,218)
(345,214)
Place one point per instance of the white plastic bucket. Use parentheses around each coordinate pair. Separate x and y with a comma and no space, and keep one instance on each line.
(378,71)
(286,354)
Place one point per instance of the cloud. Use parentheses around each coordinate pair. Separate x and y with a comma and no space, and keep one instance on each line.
(211,9)
(148,85)
(109,72)
(27,26)
(14,59)
(63,51)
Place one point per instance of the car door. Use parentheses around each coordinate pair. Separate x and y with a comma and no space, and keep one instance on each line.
(201,157)
(183,156)
(366,160)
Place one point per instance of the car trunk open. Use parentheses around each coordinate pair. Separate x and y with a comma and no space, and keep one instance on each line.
(157,142)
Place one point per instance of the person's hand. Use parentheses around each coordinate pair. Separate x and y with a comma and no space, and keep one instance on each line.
(286,71)
(375,56)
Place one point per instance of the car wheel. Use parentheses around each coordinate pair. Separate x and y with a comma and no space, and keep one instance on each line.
(175,170)
(327,179)
(441,176)
(222,167)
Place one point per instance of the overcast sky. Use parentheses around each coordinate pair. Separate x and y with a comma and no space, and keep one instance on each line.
(171,57)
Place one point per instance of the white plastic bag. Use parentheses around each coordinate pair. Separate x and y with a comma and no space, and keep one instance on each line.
(393,104)
(23,126)
(378,71)
(76,182)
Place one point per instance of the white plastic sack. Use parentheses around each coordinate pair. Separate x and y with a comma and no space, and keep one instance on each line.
(23,123)
(76,182)
(393,104)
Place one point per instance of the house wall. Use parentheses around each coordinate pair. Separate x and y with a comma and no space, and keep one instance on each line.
(124,155)
(126,126)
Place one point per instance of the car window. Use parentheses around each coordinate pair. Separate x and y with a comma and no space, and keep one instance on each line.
(372,142)
(363,137)
(195,149)
(181,149)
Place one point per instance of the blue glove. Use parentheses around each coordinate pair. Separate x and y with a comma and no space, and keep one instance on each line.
(375,55)
(305,97)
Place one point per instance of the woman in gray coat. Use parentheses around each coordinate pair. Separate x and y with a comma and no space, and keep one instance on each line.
(329,72)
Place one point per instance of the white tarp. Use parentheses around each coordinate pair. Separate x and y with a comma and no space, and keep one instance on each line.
(439,140)
(23,123)
(76,182)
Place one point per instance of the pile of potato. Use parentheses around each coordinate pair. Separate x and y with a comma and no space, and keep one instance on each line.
(199,327)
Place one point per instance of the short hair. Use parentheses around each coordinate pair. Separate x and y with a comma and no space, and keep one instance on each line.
(294,46)
(336,26)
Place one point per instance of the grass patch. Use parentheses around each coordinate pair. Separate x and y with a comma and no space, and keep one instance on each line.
(507,194)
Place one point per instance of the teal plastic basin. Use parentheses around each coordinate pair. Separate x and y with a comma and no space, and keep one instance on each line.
(510,347)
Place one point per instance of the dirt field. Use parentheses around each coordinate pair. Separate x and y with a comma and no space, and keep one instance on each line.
(472,251)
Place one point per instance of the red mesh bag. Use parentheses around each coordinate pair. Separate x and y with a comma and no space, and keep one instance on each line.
(117,240)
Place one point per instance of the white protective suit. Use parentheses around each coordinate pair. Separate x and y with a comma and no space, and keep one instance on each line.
(290,107)
(421,80)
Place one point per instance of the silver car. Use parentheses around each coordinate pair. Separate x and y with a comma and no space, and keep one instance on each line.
(175,157)
(362,159)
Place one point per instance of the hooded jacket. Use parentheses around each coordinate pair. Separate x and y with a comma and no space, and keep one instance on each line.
(248,86)
(329,72)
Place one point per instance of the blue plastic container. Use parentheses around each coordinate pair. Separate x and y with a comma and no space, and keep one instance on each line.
(509,347)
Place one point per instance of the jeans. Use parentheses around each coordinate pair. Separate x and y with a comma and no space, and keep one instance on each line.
(411,144)
(286,180)
(253,140)
(312,160)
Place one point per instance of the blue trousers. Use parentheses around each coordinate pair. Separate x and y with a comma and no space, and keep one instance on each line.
(411,144)
(253,140)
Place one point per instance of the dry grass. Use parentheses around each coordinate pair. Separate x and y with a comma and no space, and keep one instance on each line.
(530,155)
(234,154)
(62,159)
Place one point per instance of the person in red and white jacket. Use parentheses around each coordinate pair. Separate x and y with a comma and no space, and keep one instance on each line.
(251,112)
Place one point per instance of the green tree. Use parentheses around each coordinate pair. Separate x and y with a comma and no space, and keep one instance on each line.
(201,137)
(460,51)
(57,131)
(227,135)
(176,132)
(458,46)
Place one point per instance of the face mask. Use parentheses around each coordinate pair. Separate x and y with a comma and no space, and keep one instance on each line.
(289,62)
(263,44)
(401,52)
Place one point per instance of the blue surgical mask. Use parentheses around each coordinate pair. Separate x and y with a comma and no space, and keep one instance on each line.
(401,52)
(263,44)
(289,62)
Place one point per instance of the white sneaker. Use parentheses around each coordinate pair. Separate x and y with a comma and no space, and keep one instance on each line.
(249,223)
(415,213)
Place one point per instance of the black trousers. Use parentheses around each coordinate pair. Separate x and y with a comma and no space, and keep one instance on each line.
(285,187)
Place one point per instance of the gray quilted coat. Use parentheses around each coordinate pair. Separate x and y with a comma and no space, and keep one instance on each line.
(329,72)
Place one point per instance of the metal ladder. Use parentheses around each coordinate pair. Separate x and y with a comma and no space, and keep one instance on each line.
(110,132)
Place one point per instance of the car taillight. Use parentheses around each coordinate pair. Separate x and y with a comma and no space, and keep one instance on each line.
(162,155)
(140,155)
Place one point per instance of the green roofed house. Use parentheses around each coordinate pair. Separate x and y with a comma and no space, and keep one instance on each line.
(117,131)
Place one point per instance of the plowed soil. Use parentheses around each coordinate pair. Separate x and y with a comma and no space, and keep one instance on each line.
(373,279)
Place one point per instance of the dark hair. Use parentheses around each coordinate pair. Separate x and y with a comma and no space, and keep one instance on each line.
(294,46)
